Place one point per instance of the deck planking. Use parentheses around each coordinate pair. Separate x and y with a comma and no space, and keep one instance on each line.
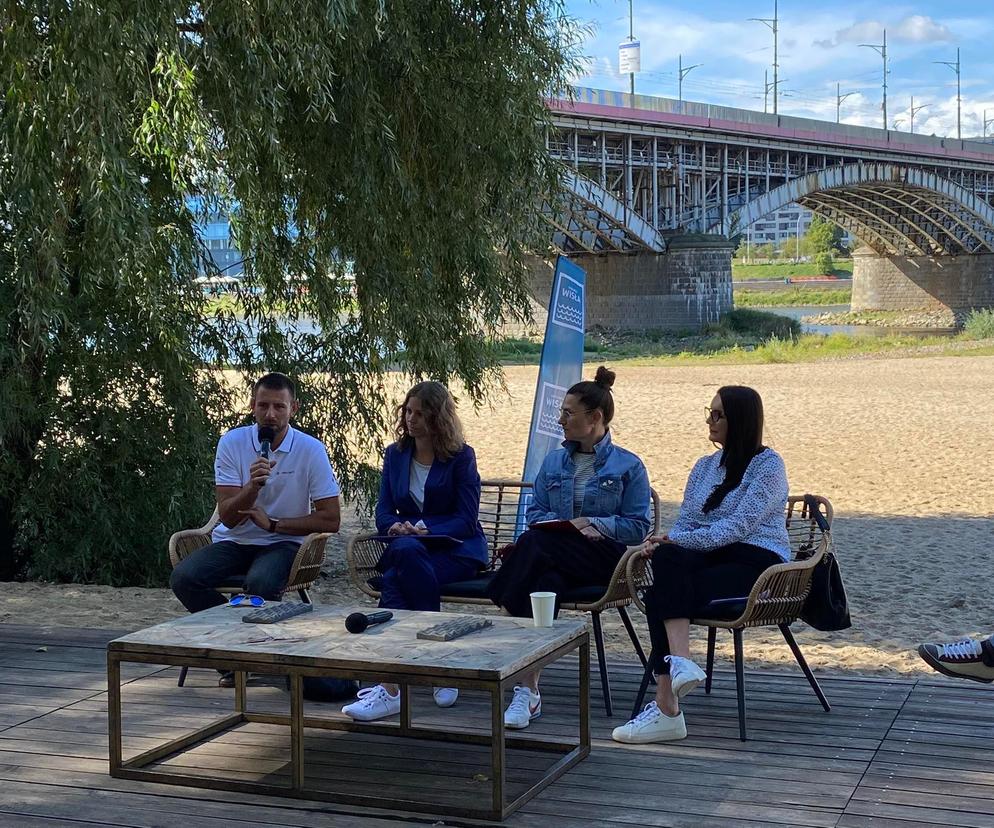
(891,754)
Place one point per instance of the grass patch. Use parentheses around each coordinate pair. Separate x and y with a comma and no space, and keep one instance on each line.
(979,325)
(791,297)
(744,272)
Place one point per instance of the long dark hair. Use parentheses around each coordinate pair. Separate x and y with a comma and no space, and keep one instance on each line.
(596,393)
(443,423)
(744,414)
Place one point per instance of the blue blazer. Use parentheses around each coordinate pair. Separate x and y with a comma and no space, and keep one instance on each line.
(451,504)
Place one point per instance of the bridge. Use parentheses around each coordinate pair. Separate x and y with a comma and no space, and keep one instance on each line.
(669,183)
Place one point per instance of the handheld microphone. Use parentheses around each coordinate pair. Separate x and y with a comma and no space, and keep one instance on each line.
(266,436)
(357,622)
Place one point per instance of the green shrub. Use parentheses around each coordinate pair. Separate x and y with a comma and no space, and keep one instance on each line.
(824,263)
(757,324)
(979,324)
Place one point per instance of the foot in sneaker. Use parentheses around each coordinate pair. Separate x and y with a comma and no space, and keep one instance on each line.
(651,725)
(967,659)
(525,706)
(373,703)
(226,678)
(684,675)
(445,696)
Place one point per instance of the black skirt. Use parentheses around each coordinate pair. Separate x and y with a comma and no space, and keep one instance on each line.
(544,561)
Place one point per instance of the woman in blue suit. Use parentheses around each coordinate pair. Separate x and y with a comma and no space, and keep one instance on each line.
(430,487)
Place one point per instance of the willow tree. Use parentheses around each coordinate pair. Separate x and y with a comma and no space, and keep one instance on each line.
(403,137)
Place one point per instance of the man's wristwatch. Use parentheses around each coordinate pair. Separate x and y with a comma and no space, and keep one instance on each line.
(273,523)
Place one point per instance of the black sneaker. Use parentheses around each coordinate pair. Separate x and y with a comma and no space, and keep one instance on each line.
(967,659)
(227,679)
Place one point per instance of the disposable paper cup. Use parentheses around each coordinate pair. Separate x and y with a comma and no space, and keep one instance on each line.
(543,608)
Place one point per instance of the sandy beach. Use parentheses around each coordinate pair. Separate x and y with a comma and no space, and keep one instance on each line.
(900,446)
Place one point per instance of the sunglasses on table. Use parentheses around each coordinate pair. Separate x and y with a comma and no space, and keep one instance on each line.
(246,601)
(713,415)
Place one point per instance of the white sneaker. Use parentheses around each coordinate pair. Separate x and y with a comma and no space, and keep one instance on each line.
(651,725)
(684,675)
(445,696)
(374,703)
(525,706)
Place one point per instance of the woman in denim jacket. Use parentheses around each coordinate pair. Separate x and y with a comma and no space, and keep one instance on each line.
(603,490)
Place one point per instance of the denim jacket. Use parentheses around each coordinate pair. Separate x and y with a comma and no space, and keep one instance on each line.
(616,498)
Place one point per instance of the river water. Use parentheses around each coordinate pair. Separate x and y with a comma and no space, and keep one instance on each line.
(853,330)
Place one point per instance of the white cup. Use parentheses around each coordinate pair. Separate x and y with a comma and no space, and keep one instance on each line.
(543,608)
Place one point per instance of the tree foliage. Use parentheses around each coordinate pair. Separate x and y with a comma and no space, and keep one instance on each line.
(404,137)
(822,237)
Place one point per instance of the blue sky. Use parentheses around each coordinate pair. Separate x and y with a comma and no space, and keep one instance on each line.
(819,46)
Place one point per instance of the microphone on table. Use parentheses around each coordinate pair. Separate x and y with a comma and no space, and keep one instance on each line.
(358,622)
(266,436)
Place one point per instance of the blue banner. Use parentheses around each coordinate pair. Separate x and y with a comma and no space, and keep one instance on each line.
(561,366)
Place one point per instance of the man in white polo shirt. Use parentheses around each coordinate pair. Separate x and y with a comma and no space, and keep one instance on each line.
(265,505)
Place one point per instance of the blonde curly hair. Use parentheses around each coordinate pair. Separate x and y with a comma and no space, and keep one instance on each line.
(444,426)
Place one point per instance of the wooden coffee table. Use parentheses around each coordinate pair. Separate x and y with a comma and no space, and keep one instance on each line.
(317,644)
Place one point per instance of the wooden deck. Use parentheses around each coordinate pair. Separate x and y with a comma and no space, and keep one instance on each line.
(891,754)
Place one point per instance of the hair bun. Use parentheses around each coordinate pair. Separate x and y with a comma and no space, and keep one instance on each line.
(604,377)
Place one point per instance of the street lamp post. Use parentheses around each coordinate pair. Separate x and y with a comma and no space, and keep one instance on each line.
(767,86)
(631,37)
(683,72)
(773,23)
(839,98)
(914,111)
(881,49)
(987,122)
(956,68)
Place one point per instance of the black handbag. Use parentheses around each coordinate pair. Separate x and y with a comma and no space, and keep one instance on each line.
(826,608)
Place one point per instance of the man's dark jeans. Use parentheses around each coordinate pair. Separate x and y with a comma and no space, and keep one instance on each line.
(265,568)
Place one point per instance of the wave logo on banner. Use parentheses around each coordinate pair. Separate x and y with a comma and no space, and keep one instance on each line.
(561,366)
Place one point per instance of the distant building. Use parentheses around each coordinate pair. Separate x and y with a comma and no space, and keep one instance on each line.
(216,234)
(782,227)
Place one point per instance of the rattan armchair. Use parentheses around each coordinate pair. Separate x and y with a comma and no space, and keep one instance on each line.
(776,599)
(501,522)
(304,572)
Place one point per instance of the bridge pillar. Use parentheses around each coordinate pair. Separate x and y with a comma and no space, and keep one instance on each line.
(684,288)
(959,283)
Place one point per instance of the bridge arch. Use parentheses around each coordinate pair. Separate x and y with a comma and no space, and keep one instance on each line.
(589,219)
(894,209)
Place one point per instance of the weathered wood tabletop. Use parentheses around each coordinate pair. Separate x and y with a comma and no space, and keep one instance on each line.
(319,639)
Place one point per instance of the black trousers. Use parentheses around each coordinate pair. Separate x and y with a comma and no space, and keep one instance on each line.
(686,580)
(544,561)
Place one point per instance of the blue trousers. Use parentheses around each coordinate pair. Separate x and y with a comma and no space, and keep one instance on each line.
(264,568)
(413,575)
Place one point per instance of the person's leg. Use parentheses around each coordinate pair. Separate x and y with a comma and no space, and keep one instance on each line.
(196,577)
(414,582)
(533,557)
(967,658)
(270,569)
(574,561)
(420,573)
(669,603)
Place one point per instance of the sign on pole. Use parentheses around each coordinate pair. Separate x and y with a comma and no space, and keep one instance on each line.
(560,367)
(629,57)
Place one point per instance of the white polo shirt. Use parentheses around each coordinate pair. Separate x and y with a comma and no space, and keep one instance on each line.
(302,474)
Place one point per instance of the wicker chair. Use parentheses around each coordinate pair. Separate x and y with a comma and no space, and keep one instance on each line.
(499,517)
(776,599)
(304,572)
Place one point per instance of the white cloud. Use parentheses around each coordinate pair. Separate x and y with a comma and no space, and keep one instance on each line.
(915,28)
(920,29)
